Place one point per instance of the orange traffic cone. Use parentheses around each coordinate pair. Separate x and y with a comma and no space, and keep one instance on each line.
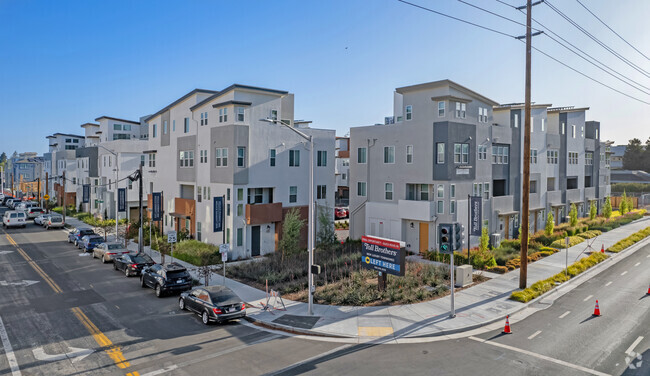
(648,293)
(506,330)
(597,309)
(602,249)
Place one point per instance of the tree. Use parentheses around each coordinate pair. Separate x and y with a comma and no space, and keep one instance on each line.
(646,156)
(592,211)
(633,157)
(550,224)
(573,215)
(3,158)
(485,240)
(607,208)
(291,227)
(105,225)
(326,236)
(622,207)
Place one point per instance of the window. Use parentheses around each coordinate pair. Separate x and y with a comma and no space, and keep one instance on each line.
(388,189)
(441,207)
(223,115)
(596,134)
(543,125)
(452,190)
(205,118)
(272,157)
(173,125)
(486,191)
(116,127)
(552,156)
(572,183)
(533,186)
(240,237)
(154,131)
(321,192)
(321,156)
(343,176)
(533,156)
(440,147)
(424,192)
(399,119)
(573,131)
(228,210)
(441,109)
(461,110)
(198,231)
(441,191)
(589,158)
(74,181)
(550,184)
(152,160)
(516,121)
(165,127)
(241,156)
(532,128)
(294,158)
(361,189)
(582,131)
(482,115)
(409,153)
(240,210)
(461,153)
(409,112)
(563,128)
(361,155)
(293,193)
(452,207)
(186,158)
(126,127)
(258,196)
(274,115)
(240,113)
(500,154)
(199,197)
(389,154)
(221,157)
(482,152)
(240,194)
(573,157)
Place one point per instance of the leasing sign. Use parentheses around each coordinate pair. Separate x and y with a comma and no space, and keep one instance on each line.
(383,255)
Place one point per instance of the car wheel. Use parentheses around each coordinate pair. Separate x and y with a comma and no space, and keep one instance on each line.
(104,260)
(126,272)
(158,291)
(94,254)
(205,318)
(76,243)
(114,266)
(142,284)
(181,304)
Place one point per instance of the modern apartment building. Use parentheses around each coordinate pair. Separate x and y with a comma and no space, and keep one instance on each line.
(342,171)
(448,142)
(233,144)
(23,170)
(62,157)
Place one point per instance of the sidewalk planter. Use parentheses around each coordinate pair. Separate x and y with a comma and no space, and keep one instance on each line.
(630,240)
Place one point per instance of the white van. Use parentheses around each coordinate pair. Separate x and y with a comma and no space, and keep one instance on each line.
(14,218)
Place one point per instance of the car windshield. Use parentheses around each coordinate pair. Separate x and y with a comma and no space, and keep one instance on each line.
(114,246)
(224,297)
(56,219)
(177,274)
(142,259)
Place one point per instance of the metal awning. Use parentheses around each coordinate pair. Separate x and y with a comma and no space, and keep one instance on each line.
(180,215)
(507,213)
(536,209)
(556,205)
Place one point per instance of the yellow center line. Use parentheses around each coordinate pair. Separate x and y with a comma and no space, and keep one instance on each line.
(114,352)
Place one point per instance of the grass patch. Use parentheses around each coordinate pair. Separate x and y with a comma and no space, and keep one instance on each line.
(630,240)
(540,287)
(573,240)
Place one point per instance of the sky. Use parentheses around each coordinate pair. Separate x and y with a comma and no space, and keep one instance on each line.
(65,63)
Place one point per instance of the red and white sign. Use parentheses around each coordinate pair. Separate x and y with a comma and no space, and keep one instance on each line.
(380,242)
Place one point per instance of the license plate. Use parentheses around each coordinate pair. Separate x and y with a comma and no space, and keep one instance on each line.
(179,281)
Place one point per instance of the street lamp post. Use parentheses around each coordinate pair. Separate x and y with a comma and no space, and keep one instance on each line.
(117,168)
(310,221)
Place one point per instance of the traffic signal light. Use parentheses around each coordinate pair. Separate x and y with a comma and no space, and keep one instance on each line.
(445,237)
(459,236)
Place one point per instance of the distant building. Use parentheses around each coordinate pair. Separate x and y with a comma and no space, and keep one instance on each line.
(618,152)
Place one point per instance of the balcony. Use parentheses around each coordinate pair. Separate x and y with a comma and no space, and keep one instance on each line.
(416,210)
(554,197)
(553,141)
(590,193)
(503,204)
(573,195)
(257,214)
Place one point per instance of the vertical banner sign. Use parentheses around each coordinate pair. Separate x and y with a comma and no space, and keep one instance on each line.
(121,199)
(382,255)
(156,206)
(86,193)
(475,216)
(217,214)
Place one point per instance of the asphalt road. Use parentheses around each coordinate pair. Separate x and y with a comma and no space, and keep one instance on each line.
(54,302)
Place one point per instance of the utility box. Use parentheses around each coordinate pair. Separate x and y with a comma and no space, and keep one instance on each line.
(463,275)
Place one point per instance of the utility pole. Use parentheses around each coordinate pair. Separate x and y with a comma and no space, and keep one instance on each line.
(47,189)
(140,249)
(64,197)
(39,191)
(525,213)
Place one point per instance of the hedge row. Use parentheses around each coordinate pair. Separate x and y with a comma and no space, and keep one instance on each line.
(573,240)
(540,287)
(624,243)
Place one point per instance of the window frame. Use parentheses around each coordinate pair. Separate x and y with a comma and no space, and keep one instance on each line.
(241,156)
(389,154)
(360,185)
(440,155)
(360,154)
(293,194)
(408,112)
(409,160)
(388,192)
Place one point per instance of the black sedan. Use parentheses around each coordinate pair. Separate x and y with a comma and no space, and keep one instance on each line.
(132,264)
(213,303)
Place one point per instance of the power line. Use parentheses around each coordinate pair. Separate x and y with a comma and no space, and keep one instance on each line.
(612,30)
(514,37)
(496,14)
(598,41)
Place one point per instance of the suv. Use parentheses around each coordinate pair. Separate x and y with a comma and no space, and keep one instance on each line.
(166,278)
(75,235)
(89,242)
(14,218)
(54,221)
(34,212)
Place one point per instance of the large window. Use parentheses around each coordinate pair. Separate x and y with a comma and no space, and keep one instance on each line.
(461,153)
(589,158)
(573,157)
(361,189)
(500,154)
(321,192)
(441,109)
(186,158)
(533,156)
(440,151)
(461,110)
(482,115)
(409,153)
(321,158)
(293,193)
(152,160)
(482,152)
(389,154)
(223,115)
(241,156)
(362,156)
(221,157)
(294,158)
(388,191)
(186,125)
(272,157)
(552,156)
(240,113)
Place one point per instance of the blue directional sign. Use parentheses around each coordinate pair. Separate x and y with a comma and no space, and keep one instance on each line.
(156,203)
(217,214)
(121,199)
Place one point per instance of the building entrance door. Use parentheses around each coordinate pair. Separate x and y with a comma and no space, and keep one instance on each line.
(255,241)
(424,237)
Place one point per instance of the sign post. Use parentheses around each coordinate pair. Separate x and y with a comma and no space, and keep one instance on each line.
(171,239)
(475,213)
(566,262)
(223,249)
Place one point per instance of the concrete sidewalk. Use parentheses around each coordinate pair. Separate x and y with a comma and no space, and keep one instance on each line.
(476,306)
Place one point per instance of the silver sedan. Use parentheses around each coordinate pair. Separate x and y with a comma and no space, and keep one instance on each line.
(109,251)
(41,219)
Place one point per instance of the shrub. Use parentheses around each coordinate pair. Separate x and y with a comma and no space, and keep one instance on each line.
(503,254)
(498,269)
(197,253)
(511,243)
(592,211)
(550,224)
(590,234)
(549,249)
(573,240)
(630,240)
(573,215)
(485,240)
(622,207)
(291,232)
(607,208)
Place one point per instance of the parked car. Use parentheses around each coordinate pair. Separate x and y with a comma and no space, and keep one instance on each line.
(108,251)
(132,264)
(26,205)
(75,235)
(213,303)
(166,278)
(340,213)
(40,220)
(89,242)
(5,199)
(11,202)
(14,218)
(34,212)
(54,221)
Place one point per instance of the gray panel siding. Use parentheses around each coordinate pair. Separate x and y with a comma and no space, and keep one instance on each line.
(164,138)
(230,137)
(91,154)
(451,133)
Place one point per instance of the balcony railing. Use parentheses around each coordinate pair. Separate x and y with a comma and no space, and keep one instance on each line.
(257,214)
(416,210)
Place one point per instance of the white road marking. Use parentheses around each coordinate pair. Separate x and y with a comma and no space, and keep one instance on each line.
(534,334)
(9,351)
(539,356)
(608,283)
(587,298)
(76,354)
(633,345)
(25,283)
(624,273)
(565,314)
(637,264)
(160,371)
(6,252)
(298,364)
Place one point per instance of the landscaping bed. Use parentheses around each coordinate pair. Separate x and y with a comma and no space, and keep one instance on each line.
(630,240)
